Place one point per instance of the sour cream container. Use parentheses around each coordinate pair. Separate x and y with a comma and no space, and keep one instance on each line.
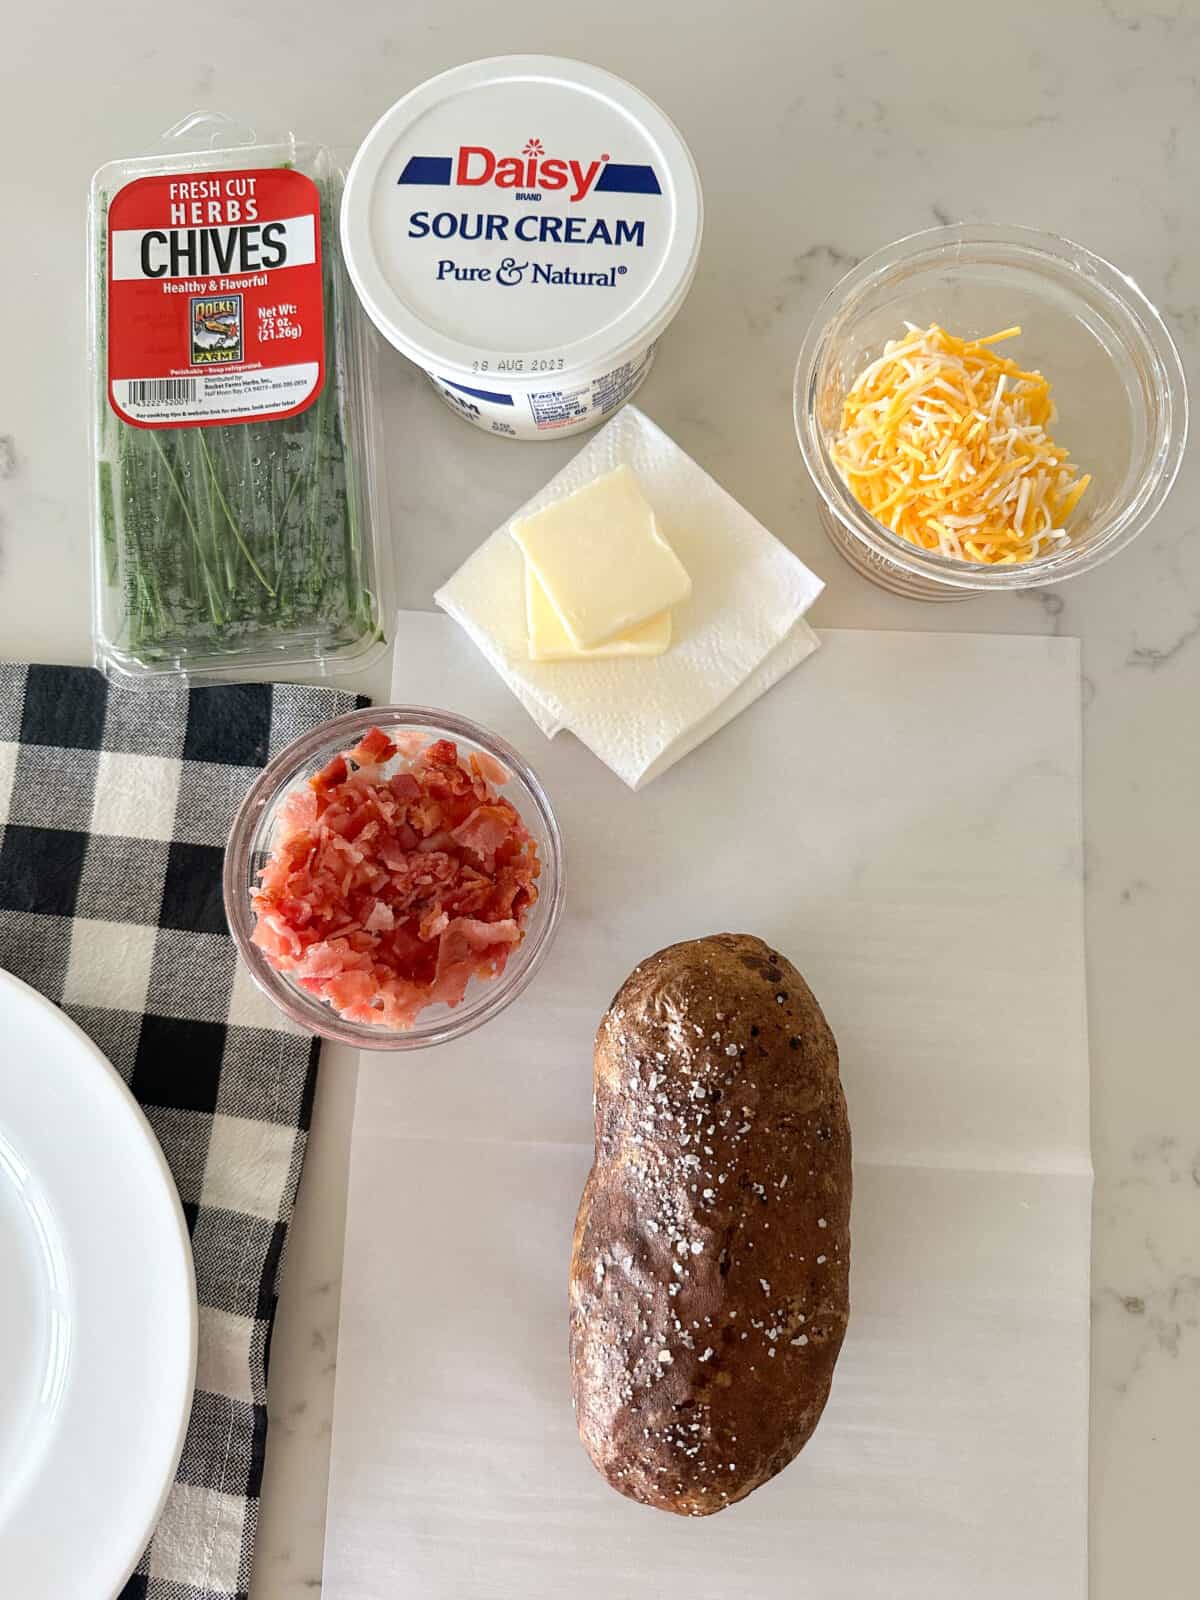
(524,229)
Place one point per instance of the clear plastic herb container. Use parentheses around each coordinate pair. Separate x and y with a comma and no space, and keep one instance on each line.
(236,505)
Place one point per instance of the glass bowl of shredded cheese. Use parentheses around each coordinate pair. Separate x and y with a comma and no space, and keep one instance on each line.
(985,408)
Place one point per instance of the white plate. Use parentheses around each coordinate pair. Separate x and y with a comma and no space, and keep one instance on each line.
(97,1312)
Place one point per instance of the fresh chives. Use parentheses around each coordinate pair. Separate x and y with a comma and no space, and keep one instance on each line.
(231,540)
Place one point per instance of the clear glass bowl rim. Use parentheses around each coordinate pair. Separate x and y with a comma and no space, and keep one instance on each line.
(291,766)
(1037,248)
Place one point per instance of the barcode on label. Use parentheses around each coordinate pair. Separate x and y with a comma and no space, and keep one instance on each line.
(161,391)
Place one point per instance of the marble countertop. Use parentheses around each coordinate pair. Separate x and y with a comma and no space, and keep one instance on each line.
(821,132)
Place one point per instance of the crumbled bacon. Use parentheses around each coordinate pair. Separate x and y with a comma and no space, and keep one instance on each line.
(387,892)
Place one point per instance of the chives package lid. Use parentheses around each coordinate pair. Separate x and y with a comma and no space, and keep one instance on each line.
(235,502)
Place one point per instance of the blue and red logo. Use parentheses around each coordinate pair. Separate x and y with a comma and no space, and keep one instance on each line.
(475,165)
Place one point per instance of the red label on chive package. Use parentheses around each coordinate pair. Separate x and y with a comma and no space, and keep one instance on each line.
(215,304)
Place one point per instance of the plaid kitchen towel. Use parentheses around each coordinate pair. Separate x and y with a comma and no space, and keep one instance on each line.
(115,805)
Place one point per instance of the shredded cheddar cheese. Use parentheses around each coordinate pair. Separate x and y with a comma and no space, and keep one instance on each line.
(945,443)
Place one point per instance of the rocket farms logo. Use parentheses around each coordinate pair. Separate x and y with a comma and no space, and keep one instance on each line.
(533,172)
(216,324)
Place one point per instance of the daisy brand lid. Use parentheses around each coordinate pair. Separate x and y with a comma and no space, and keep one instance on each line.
(522,216)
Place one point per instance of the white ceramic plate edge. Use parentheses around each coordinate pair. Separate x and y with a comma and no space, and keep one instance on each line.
(13,991)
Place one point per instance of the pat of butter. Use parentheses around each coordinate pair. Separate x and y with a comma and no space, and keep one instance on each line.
(550,641)
(601,560)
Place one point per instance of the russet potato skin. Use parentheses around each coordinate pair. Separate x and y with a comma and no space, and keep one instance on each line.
(709,1285)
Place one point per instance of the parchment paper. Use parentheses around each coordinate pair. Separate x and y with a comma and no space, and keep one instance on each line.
(902,818)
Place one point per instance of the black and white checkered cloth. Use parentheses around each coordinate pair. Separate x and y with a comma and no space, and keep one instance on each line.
(115,806)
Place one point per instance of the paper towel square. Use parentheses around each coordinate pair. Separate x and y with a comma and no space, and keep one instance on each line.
(740,631)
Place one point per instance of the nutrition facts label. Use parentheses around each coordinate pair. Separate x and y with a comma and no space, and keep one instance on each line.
(559,408)
(612,388)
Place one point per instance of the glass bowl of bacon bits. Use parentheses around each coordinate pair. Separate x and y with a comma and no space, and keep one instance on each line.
(394,878)
(987,408)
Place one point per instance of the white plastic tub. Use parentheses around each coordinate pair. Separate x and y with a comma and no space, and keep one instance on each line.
(524,229)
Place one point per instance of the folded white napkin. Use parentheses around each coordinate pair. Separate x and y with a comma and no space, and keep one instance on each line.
(739,632)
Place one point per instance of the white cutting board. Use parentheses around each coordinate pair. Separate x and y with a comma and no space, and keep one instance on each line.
(901,816)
